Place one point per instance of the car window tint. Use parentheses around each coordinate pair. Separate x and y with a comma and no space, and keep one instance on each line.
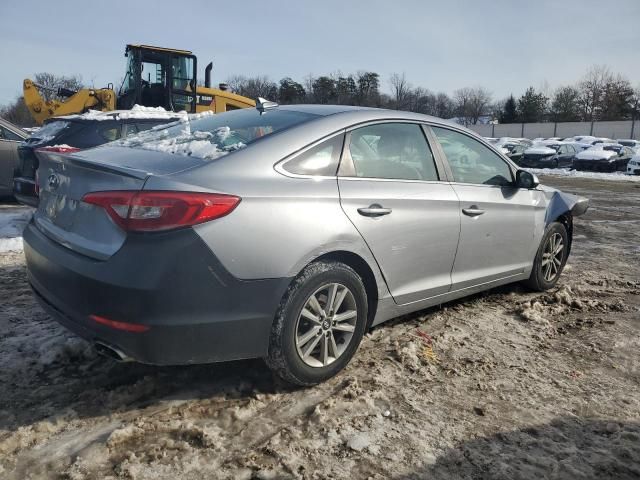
(320,160)
(392,150)
(471,161)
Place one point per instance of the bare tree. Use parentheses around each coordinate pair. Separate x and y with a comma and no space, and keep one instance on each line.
(50,84)
(471,104)
(591,89)
(401,90)
(253,87)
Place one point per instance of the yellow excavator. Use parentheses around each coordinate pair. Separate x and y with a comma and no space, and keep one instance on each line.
(155,77)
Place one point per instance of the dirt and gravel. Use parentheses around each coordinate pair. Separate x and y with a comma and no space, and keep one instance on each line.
(507,384)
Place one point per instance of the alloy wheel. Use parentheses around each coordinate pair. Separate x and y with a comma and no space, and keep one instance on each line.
(326,325)
(552,257)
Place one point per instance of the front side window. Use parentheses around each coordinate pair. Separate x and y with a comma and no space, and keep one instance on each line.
(320,160)
(393,151)
(471,161)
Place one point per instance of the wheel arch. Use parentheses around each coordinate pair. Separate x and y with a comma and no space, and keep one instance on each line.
(566,219)
(364,270)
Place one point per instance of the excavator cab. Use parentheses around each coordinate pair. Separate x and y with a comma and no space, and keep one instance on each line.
(159,77)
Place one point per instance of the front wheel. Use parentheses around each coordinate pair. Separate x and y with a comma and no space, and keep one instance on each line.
(319,324)
(550,259)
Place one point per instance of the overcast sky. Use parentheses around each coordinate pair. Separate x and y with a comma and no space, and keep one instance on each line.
(504,45)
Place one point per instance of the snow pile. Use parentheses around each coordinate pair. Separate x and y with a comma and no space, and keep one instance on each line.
(566,172)
(12,222)
(137,112)
(200,144)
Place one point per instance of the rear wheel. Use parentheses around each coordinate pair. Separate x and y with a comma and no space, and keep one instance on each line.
(319,324)
(550,259)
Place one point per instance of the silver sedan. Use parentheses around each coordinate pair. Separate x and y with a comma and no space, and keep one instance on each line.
(283,233)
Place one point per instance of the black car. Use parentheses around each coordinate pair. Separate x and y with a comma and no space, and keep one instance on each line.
(548,155)
(604,157)
(515,151)
(77,132)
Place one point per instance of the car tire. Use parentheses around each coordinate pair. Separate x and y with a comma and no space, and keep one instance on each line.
(286,355)
(547,266)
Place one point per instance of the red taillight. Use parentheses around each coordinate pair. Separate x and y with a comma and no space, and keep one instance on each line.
(59,149)
(151,211)
(125,326)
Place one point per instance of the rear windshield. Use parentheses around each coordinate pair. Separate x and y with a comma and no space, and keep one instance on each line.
(208,136)
(48,132)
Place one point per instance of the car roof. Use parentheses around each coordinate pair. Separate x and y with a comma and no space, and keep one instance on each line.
(370,112)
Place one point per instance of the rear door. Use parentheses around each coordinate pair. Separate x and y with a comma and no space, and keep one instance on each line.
(498,221)
(395,194)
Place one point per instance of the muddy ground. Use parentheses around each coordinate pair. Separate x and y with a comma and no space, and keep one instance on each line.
(508,384)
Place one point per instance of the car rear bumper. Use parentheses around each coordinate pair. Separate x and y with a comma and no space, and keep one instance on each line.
(195,311)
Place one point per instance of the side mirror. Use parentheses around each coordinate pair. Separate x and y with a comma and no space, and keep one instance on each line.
(526,180)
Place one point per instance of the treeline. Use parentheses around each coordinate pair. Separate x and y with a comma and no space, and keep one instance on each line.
(362,88)
(599,95)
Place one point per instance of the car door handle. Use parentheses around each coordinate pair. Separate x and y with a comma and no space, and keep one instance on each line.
(374,210)
(472,211)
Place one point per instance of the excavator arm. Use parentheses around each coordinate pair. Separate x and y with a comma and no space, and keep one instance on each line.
(76,102)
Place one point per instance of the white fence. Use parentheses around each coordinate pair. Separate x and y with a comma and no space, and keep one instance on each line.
(620,129)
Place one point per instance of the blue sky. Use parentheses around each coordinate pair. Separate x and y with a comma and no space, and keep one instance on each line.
(504,45)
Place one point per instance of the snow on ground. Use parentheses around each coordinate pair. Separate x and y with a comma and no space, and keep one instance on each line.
(511,384)
(566,172)
(13,219)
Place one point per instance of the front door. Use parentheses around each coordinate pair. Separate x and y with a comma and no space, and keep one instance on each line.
(498,220)
(391,190)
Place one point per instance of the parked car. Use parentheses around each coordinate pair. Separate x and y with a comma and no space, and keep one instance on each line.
(10,137)
(633,167)
(604,157)
(76,132)
(514,151)
(579,146)
(632,144)
(283,233)
(548,154)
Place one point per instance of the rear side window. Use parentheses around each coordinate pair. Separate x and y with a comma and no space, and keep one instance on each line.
(392,150)
(471,161)
(48,132)
(320,160)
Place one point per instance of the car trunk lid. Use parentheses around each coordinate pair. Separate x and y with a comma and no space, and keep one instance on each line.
(64,179)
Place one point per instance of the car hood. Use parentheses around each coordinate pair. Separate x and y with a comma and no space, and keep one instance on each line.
(596,155)
(540,151)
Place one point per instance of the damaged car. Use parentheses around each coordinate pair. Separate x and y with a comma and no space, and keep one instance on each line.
(604,157)
(283,233)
